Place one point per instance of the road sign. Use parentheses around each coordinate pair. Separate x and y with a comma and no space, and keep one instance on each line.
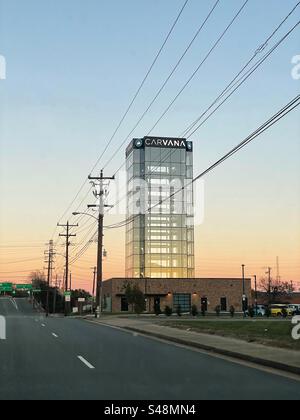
(37,291)
(24,287)
(6,287)
(81,300)
(68,298)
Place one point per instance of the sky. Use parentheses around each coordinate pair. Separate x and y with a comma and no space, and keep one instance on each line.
(72,68)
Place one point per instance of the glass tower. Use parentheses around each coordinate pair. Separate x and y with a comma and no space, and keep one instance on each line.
(160,211)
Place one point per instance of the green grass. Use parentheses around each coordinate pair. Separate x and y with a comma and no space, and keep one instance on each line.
(270,333)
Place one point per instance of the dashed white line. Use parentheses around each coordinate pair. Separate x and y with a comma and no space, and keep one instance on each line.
(85,362)
(43,325)
(54,335)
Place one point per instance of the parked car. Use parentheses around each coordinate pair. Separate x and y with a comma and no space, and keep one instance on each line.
(295,308)
(278,310)
(259,310)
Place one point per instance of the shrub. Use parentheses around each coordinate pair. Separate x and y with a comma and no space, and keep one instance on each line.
(194,310)
(203,310)
(232,311)
(218,310)
(251,311)
(157,310)
(178,311)
(168,311)
(268,312)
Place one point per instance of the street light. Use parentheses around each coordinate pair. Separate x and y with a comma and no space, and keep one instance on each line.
(256,295)
(244,290)
(85,214)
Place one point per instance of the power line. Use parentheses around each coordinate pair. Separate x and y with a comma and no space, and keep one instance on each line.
(199,67)
(264,127)
(231,85)
(130,105)
(166,81)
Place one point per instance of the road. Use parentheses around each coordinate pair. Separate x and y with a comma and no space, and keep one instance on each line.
(72,359)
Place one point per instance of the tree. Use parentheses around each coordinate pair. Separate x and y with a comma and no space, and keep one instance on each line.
(135,297)
(276,291)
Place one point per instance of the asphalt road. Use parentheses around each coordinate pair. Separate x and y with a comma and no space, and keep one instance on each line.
(71,359)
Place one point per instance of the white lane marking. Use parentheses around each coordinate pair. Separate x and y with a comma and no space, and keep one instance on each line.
(54,335)
(14,304)
(43,325)
(85,362)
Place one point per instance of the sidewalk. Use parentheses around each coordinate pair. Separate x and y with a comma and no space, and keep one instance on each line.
(286,360)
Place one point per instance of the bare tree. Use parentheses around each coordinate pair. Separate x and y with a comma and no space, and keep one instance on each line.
(37,278)
(276,290)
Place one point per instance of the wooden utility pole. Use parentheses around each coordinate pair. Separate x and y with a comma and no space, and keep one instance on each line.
(67,235)
(50,254)
(101,207)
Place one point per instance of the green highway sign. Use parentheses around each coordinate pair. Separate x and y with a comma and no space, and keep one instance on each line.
(24,287)
(67,293)
(6,287)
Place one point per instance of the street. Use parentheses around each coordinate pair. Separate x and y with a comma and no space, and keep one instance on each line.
(64,358)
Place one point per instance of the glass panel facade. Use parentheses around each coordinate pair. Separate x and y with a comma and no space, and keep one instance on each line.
(184,301)
(160,236)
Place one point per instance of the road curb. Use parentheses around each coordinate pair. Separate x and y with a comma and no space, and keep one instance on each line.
(257,360)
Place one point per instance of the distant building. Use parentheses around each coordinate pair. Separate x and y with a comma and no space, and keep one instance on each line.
(160,236)
(173,292)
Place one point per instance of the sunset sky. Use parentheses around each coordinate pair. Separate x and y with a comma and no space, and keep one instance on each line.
(73,67)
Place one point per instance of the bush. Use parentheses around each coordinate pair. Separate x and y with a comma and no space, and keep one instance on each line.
(168,311)
(178,311)
(194,310)
(251,311)
(232,311)
(268,312)
(203,310)
(157,310)
(218,310)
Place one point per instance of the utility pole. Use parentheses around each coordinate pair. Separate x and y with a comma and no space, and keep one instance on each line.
(54,296)
(67,235)
(71,281)
(269,280)
(50,254)
(94,286)
(101,207)
(278,270)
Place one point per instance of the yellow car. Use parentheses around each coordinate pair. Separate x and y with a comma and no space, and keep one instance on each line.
(278,310)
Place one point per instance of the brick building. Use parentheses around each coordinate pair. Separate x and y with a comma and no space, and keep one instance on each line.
(184,292)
